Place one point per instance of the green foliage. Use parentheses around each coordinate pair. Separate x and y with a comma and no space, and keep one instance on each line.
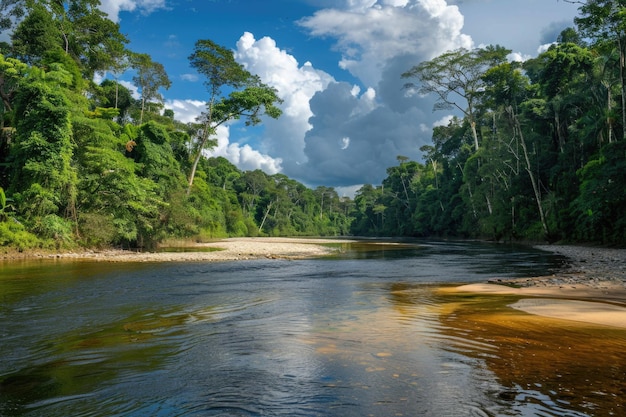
(43,180)
(74,174)
(96,230)
(599,208)
(13,234)
(53,228)
(36,35)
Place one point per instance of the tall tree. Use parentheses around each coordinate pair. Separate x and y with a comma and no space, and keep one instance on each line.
(78,27)
(248,98)
(604,21)
(508,88)
(457,73)
(149,78)
(36,35)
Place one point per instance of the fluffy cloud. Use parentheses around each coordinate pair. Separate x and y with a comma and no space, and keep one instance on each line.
(369,33)
(243,156)
(355,137)
(186,110)
(352,142)
(113,7)
(296,84)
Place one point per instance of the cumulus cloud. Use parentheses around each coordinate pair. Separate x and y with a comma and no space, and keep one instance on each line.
(348,146)
(243,156)
(295,84)
(186,111)
(113,7)
(369,33)
(354,137)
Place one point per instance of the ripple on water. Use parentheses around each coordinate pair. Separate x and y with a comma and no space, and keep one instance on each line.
(307,338)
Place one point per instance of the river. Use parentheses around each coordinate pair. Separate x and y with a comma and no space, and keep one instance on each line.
(363,333)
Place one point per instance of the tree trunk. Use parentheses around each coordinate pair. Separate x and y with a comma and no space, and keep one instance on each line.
(529,170)
(474,134)
(269,207)
(205,137)
(623,85)
(194,167)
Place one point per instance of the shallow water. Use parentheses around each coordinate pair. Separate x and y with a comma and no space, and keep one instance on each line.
(363,333)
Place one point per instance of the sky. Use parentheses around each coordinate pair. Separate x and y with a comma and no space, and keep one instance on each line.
(337,65)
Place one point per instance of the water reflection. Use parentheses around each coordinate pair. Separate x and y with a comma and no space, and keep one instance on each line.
(550,367)
(343,337)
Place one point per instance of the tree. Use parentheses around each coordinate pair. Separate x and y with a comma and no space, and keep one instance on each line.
(560,72)
(36,35)
(605,22)
(150,77)
(78,27)
(95,41)
(249,98)
(44,181)
(11,72)
(11,11)
(508,88)
(459,73)
(112,94)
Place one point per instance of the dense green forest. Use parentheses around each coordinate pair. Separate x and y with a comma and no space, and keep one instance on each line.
(538,151)
(538,154)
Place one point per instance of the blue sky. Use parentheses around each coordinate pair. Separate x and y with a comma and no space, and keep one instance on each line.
(336,64)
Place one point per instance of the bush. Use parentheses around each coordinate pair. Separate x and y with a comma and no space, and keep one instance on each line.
(14,234)
(54,228)
(96,230)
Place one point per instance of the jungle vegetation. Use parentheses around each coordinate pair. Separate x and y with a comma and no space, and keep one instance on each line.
(537,150)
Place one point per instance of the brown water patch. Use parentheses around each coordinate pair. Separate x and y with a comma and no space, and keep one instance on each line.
(542,359)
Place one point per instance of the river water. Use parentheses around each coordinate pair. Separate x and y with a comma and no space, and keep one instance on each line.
(364,333)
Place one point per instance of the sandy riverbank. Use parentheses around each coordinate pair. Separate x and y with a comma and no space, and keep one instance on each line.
(591,288)
(233,249)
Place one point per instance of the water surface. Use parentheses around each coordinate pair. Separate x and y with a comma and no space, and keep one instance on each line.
(363,333)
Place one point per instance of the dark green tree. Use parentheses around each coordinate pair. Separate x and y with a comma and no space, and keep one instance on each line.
(604,21)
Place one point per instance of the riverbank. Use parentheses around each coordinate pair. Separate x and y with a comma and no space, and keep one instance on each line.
(232,249)
(591,288)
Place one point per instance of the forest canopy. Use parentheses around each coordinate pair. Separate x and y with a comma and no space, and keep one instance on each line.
(537,150)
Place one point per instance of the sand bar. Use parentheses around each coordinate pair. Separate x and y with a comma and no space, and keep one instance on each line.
(591,288)
(233,249)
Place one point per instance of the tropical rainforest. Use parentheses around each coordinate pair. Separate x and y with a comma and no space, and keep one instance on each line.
(537,151)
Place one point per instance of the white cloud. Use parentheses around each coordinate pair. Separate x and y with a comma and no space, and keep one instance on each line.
(113,7)
(335,133)
(368,33)
(186,111)
(444,121)
(376,138)
(295,84)
(345,142)
(243,156)
(189,77)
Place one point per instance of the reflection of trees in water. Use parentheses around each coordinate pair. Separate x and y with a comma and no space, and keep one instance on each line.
(572,366)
